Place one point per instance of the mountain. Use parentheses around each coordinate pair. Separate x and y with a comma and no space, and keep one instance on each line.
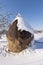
(26,57)
(19,35)
(22,25)
(38,31)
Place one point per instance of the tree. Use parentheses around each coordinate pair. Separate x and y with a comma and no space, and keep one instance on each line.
(4,20)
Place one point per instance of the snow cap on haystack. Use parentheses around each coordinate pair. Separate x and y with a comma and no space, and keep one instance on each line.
(22,24)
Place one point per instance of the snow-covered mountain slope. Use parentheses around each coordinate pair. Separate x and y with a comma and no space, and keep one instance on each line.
(38,37)
(22,24)
(29,56)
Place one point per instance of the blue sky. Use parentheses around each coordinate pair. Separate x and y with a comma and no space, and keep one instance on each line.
(31,11)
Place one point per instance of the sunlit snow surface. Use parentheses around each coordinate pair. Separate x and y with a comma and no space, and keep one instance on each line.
(22,24)
(31,56)
(38,36)
(28,56)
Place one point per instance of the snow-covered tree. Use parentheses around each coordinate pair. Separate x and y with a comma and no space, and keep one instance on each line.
(4,21)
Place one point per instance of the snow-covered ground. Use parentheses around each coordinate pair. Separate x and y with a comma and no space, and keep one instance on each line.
(39,36)
(26,57)
(30,56)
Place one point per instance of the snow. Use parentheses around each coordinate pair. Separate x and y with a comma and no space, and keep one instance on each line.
(30,56)
(32,59)
(38,37)
(22,24)
(26,57)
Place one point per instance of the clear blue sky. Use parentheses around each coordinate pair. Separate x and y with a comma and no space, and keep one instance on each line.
(31,10)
